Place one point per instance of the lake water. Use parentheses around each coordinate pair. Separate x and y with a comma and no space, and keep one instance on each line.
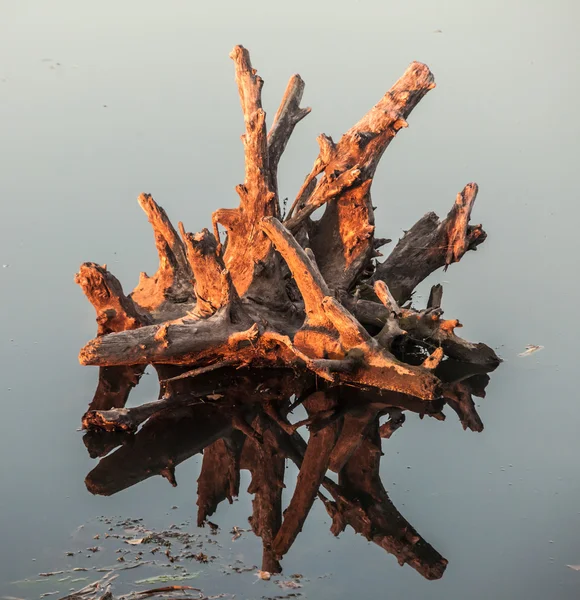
(99,103)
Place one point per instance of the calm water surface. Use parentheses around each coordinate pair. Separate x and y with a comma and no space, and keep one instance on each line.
(101,101)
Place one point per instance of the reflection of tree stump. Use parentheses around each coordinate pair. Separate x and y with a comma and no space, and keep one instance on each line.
(286,290)
(246,426)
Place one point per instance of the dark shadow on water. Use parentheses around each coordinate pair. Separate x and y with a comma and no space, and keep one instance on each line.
(243,420)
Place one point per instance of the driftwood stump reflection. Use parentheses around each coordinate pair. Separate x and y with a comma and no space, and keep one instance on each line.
(242,419)
(283,307)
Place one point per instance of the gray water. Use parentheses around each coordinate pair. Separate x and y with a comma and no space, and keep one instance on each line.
(100,101)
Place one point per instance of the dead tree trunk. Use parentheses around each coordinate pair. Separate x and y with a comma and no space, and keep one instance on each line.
(287,290)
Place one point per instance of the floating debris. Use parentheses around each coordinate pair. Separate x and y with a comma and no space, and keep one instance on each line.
(214,527)
(530,349)
(288,585)
(165,578)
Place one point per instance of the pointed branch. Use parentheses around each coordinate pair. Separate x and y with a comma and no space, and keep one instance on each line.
(435,296)
(249,82)
(347,169)
(391,329)
(431,244)
(288,116)
(459,397)
(172,283)
(384,295)
(115,311)
(213,285)
(246,245)
(362,502)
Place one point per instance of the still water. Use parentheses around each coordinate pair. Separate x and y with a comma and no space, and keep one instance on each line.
(99,102)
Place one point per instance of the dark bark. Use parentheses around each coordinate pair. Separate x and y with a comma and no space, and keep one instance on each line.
(361,501)
(246,427)
(312,470)
(165,441)
(266,465)
(431,244)
(219,478)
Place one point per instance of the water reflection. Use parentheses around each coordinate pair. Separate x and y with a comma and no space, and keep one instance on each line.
(243,420)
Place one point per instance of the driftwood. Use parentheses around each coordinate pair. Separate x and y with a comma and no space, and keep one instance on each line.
(276,310)
(285,290)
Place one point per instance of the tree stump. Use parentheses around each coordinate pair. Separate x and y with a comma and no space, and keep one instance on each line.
(287,290)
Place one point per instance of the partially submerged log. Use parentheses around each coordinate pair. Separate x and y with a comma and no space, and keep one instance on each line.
(289,290)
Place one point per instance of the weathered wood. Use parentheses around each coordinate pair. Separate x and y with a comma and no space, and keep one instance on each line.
(423,327)
(459,396)
(115,312)
(352,431)
(435,296)
(362,502)
(172,283)
(298,294)
(182,342)
(246,427)
(396,420)
(266,465)
(343,238)
(247,246)
(219,478)
(164,442)
(312,471)
(213,285)
(115,385)
(288,116)
(431,244)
